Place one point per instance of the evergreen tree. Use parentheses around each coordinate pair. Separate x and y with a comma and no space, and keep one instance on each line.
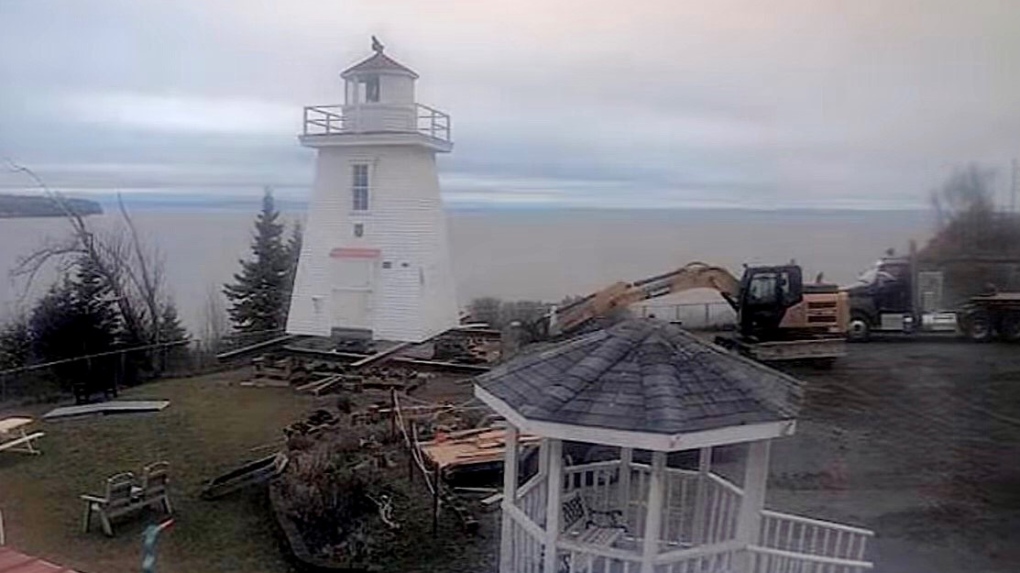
(94,309)
(257,297)
(76,318)
(170,328)
(15,344)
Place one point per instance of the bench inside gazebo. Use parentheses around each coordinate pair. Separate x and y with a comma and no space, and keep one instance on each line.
(683,429)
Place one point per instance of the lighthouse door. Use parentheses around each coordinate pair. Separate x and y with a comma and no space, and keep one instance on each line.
(352,293)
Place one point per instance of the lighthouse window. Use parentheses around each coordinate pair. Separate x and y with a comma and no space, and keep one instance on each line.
(359,187)
(372,89)
(359,230)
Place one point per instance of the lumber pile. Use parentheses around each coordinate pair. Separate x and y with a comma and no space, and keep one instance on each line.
(320,377)
(465,349)
(470,447)
(270,371)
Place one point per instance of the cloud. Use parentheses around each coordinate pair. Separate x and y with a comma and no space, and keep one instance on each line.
(179,113)
(569,103)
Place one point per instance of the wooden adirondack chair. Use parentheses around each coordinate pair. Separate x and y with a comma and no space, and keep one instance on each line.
(153,489)
(117,501)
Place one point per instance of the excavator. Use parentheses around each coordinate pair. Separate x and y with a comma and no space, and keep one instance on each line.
(779,317)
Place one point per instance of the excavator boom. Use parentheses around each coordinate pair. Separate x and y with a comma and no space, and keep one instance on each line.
(623,294)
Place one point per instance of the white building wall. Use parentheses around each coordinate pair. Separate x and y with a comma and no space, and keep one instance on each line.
(413,299)
(396,89)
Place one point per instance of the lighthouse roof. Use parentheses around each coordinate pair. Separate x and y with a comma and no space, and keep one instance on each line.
(642,376)
(378,62)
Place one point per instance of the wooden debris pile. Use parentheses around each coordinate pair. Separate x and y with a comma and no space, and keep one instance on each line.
(316,422)
(470,447)
(320,377)
(465,350)
(278,372)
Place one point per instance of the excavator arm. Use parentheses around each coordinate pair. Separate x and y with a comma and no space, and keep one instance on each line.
(622,294)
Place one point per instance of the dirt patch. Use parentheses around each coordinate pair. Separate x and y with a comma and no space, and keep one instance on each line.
(917,440)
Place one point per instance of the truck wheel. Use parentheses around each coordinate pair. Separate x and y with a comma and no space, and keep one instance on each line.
(858,330)
(979,326)
(1009,327)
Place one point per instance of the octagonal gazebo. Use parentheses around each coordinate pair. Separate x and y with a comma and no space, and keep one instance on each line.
(659,401)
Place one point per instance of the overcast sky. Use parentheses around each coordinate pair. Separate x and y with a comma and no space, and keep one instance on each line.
(863,104)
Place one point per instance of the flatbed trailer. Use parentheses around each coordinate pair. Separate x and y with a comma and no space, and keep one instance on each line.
(985,317)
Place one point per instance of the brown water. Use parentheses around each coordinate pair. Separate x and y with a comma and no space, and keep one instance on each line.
(524,254)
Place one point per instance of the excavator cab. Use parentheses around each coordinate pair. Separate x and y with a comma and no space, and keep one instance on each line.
(765,295)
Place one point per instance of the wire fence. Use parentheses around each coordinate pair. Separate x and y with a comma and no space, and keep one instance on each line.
(107,372)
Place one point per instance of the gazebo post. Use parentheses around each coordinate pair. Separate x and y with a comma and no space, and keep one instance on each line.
(623,482)
(701,493)
(756,474)
(552,505)
(653,517)
(543,457)
(506,557)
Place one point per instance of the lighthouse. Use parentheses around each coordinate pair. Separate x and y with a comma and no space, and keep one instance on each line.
(375,255)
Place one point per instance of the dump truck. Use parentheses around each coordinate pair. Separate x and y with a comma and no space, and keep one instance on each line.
(896,296)
(779,317)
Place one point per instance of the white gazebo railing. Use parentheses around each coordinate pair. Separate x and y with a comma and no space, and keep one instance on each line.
(818,546)
(698,531)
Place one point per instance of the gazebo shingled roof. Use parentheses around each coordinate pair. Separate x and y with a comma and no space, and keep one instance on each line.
(645,376)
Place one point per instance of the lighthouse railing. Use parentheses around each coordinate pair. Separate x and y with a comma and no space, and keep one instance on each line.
(377,117)
(433,123)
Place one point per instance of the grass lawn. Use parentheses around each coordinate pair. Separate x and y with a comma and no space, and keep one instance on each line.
(210,426)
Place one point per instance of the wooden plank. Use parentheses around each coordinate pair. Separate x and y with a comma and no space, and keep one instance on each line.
(347,357)
(253,347)
(115,407)
(324,385)
(265,383)
(380,356)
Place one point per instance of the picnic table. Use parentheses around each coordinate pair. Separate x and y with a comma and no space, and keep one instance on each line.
(14,436)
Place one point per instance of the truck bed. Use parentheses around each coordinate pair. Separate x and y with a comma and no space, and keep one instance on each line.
(997,299)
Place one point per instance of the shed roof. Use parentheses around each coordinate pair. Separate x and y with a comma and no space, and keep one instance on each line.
(645,376)
(378,62)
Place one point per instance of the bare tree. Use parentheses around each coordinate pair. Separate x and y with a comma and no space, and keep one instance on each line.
(975,244)
(215,324)
(967,193)
(133,271)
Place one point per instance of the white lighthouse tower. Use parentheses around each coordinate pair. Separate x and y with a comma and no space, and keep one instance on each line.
(375,254)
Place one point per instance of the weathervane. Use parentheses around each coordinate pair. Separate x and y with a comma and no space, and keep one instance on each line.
(377,46)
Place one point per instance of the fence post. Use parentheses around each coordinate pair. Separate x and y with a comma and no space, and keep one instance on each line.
(393,413)
(410,452)
(435,501)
